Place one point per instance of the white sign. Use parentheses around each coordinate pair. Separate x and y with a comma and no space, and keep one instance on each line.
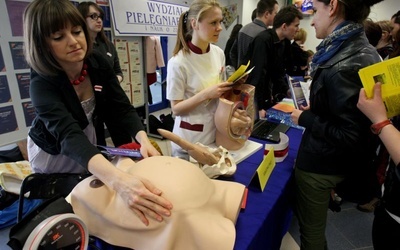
(145,17)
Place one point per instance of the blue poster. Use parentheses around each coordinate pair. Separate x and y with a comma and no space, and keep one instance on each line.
(5,95)
(108,34)
(107,16)
(29,113)
(23,80)
(15,11)
(2,65)
(305,6)
(76,3)
(8,121)
(17,53)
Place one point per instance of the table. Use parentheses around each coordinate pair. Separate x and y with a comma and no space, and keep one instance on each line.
(267,215)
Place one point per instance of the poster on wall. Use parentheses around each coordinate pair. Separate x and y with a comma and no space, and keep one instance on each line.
(126,72)
(15,11)
(29,113)
(107,17)
(17,53)
(23,84)
(122,50)
(2,65)
(305,6)
(5,95)
(135,73)
(108,34)
(230,14)
(127,87)
(8,121)
(76,3)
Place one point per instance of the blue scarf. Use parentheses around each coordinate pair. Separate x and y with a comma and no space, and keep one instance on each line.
(332,43)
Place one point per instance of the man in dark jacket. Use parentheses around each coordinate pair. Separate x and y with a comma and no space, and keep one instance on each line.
(266,11)
(268,53)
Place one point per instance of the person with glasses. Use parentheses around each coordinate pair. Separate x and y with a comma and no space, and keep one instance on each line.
(93,15)
(71,86)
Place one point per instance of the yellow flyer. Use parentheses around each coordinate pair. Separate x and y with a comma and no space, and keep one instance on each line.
(238,73)
(388,73)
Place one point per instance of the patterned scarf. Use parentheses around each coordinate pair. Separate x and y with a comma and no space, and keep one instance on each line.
(332,43)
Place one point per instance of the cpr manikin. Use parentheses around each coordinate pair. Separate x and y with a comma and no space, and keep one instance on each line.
(203,216)
(234,117)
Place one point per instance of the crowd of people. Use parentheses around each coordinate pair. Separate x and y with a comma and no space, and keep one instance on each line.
(337,127)
(270,52)
(70,56)
(265,14)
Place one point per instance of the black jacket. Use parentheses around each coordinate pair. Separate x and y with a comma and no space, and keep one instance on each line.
(337,138)
(60,118)
(390,199)
(227,50)
(269,55)
(109,52)
(299,59)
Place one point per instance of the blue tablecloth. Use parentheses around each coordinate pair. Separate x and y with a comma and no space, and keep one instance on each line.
(267,215)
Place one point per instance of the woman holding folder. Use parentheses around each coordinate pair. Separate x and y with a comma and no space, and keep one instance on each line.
(195,74)
(337,142)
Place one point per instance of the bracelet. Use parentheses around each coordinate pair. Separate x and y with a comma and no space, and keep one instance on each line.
(376,128)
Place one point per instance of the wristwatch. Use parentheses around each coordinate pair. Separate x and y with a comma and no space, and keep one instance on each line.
(376,128)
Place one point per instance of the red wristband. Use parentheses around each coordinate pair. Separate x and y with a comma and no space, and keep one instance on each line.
(376,128)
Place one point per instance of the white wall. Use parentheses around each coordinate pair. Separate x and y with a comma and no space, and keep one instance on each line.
(381,11)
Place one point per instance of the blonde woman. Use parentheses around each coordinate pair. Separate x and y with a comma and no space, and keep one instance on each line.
(300,58)
(195,74)
(385,44)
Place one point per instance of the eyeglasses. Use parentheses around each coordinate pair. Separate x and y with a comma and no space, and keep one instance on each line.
(95,16)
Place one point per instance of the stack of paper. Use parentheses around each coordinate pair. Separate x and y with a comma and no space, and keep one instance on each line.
(12,174)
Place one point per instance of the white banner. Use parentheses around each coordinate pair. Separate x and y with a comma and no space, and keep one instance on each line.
(145,17)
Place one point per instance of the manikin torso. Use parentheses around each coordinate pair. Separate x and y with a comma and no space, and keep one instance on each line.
(203,216)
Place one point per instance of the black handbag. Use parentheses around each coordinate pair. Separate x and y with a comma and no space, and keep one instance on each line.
(19,233)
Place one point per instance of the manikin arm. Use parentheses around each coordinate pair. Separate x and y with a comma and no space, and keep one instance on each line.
(199,153)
